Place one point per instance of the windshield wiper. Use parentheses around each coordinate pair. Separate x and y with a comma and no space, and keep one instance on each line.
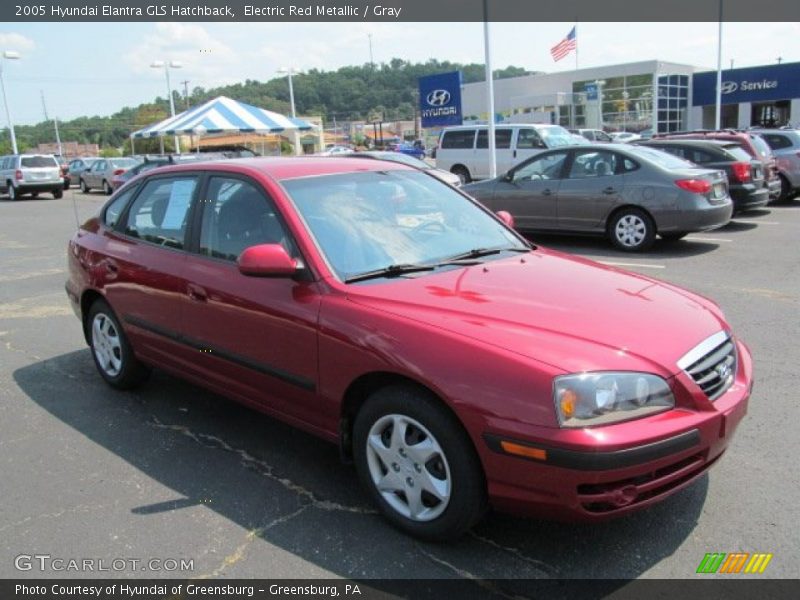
(390,271)
(479,253)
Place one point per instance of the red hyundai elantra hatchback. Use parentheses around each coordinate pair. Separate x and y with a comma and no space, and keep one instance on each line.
(383,310)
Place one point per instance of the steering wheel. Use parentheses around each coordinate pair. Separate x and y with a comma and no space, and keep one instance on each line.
(428,228)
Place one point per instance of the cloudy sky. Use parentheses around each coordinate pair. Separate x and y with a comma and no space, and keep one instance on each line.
(97,68)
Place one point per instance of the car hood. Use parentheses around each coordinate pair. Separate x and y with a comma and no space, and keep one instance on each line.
(568,312)
(480,189)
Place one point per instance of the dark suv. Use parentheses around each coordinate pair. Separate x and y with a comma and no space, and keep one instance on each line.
(753,143)
(745,174)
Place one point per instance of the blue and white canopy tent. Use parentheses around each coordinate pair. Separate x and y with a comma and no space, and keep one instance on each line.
(222,115)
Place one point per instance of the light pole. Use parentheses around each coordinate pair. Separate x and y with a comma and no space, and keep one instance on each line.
(10,55)
(600,83)
(295,136)
(625,96)
(167,65)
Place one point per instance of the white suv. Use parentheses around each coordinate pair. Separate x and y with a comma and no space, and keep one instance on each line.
(30,174)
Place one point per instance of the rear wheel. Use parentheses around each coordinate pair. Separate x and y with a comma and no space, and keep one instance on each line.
(418,464)
(631,230)
(112,353)
(34,194)
(84,188)
(463,174)
(107,188)
(786,189)
(58,194)
(12,192)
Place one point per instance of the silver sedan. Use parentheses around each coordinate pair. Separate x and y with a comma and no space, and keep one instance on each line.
(102,171)
(628,193)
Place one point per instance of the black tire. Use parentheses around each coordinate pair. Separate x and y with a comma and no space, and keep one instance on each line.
(672,237)
(58,194)
(632,230)
(107,189)
(130,372)
(457,466)
(66,184)
(84,188)
(463,174)
(786,190)
(34,194)
(12,192)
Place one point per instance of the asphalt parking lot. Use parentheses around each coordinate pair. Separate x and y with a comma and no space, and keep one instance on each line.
(171,471)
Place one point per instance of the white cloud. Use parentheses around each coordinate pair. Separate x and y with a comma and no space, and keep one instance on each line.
(15,41)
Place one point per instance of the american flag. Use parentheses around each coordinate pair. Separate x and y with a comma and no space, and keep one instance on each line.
(565,46)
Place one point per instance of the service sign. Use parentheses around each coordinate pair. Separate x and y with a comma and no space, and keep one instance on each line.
(755,84)
(440,99)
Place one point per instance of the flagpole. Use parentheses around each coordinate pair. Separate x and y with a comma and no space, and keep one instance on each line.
(576,44)
(718,109)
(489,92)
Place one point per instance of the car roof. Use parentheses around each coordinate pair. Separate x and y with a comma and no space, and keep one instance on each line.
(498,126)
(291,167)
(687,142)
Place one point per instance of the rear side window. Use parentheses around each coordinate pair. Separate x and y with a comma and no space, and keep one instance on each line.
(738,153)
(33,162)
(698,156)
(761,146)
(114,210)
(502,139)
(459,139)
(776,142)
(160,212)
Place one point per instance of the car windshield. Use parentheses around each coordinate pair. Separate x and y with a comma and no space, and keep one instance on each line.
(368,221)
(403,159)
(661,158)
(123,163)
(761,146)
(38,161)
(556,136)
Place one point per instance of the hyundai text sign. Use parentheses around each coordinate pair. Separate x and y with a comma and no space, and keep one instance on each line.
(755,84)
(440,99)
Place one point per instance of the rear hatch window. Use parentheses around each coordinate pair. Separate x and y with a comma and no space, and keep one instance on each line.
(737,152)
(32,162)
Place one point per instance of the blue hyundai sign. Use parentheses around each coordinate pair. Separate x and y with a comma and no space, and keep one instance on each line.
(753,84)
(591,91)
(440,99)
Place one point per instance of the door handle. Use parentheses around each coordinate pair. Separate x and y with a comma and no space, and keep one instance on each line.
(196,293)
(610,190)
(547,192)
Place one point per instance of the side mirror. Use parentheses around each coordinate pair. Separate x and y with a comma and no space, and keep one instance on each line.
(267,260)
(508,176)
(506,218)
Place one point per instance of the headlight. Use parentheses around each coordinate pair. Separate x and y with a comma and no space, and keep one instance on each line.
(592,399)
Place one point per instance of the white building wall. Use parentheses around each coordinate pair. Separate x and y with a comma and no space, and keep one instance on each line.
(745,112)
(794,117)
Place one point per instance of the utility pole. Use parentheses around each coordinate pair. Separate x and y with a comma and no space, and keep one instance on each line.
(371,61)
(55,123)
(186,93)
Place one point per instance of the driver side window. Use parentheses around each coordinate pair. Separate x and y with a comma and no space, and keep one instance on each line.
(543,167)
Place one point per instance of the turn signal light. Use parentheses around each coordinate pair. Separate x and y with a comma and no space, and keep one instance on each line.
(18,175)
(526,451)
(568,400)
(697,186)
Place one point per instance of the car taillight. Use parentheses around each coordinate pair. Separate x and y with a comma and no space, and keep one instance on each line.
(18,175)
(741,170)
(119,171)
(697,186)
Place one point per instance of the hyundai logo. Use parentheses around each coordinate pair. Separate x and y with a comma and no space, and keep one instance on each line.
(729,87)
(723,371)
(438,98)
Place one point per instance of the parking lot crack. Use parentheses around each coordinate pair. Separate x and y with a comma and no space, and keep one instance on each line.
(545,568)
(263,468)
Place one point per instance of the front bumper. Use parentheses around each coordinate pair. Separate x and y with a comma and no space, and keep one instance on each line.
(609,471)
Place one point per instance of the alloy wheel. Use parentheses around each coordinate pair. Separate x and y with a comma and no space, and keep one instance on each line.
(106,345)
(631,231)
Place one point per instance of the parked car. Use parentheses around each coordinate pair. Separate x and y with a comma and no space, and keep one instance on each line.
(624,136)
(22,174)
(408,149)
(77,166)
(406,159)
(751,142)
(628,193)
(150,162)
(745,174)
(464,150)
(593,135)
(99,175)
(457,365)
(785,145)
(334,150)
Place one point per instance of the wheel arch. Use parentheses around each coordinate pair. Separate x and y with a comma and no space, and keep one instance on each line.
(88,298)
(617,209)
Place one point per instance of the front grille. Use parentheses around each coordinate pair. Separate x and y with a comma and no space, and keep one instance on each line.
(712,364)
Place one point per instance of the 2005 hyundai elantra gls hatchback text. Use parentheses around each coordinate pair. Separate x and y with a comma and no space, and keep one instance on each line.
(456,364)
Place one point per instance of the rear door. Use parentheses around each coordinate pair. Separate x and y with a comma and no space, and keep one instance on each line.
(94,176)
(530,193)
(593,186)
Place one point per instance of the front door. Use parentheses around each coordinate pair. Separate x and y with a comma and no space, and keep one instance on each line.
(255,336)
(530,192)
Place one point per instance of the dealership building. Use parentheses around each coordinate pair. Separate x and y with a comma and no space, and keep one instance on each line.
(657,95)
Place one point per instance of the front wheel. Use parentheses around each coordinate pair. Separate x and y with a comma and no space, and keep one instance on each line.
(111,351)
(12,192)
(632,230)
(58,194)
(84,188)
(107,188)
(463,174)
(418,464)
